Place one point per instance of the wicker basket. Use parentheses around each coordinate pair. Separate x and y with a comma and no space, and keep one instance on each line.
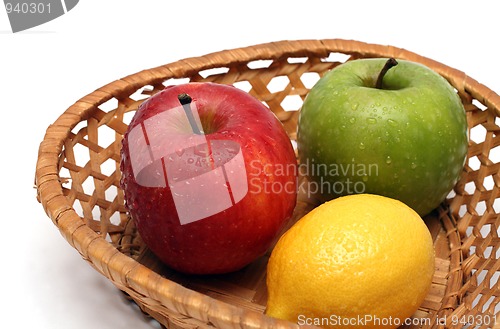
(77,179)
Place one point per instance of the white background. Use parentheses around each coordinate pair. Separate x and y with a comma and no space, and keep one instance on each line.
(45,283)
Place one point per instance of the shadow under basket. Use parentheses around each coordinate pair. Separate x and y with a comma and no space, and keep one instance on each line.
(77,180)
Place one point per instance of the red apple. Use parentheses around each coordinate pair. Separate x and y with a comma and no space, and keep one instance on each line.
(209,177)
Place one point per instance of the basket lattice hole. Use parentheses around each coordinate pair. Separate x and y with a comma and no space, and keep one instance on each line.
(106,137)
(309,79)
(478,134)
(462,210)
(485,230)
(336,58)
(494,155)
(489,306)
(497,121)
(65,177)
(479,105)
(81,155)
(489,183)
(451,195)
(487,253)
(278,83)
(481,208)
(142,93)
(291,103)
(259,64)
(128,116)
(297,60)
(213,72)
(109,167)
(474,163)
(96,213)
(79,127)
(115,218)
(109,105)
(111,193)
(243,85)
(88,186)
(479,275)
(470,187)
(77,206)
(175,81)
(496,206)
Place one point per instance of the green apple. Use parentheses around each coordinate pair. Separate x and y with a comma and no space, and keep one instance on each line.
(384,127)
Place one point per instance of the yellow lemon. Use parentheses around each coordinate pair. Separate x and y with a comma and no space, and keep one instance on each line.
(359,261)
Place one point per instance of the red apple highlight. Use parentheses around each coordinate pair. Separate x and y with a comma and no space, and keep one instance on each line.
(209,177)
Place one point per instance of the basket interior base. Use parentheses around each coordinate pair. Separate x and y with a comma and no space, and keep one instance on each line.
(247,288)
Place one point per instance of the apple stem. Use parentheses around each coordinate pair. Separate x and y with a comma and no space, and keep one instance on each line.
(185,101)
(391,62)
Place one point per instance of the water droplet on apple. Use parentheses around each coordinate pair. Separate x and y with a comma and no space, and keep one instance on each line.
(361,146)
(413,165)
(396,175)
(354,106)
(180,151)
(371,120)
(392,122)
(388,160)
(352,120)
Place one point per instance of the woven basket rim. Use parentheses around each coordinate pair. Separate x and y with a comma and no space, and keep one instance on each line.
(126,272)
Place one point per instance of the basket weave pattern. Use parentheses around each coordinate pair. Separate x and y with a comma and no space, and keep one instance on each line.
(77,178)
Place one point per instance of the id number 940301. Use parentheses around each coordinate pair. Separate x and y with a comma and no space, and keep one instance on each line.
(28,7)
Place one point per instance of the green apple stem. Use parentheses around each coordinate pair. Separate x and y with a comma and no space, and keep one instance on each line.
(185,101)
(391,62)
